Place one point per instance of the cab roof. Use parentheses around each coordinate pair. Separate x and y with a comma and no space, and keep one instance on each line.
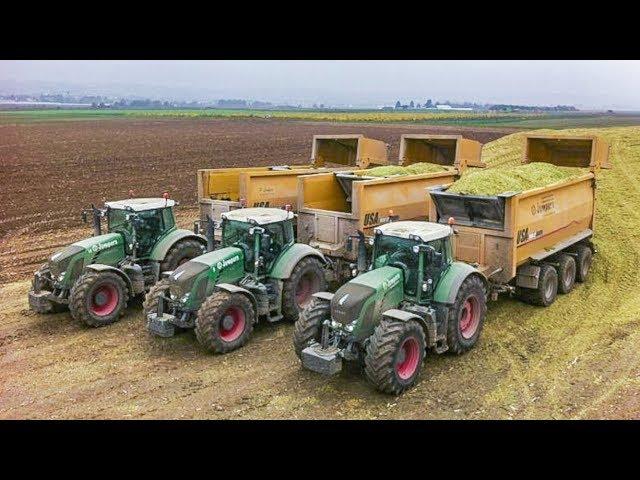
(426,231)
(141,204)
(260,215)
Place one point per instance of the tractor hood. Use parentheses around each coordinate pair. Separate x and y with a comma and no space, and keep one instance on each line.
(91,249)
(357,297)
(192,281)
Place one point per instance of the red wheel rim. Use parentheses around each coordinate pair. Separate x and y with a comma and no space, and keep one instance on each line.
(104,300)
(307,286)
(232,324)
(469,317)
(408,358)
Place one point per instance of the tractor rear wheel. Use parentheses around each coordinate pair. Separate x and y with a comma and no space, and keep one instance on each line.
(150,304)
(98,298)
(225,321)
(181,252)
(467,315)
(547,290)
(566,273)
(308,327)
(583,264)
(394,355)
(306,279)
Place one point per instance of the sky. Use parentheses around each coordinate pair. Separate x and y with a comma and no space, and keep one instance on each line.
(584,84)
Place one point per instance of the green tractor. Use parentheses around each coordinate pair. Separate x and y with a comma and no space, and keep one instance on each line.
(95,277)
(256,272)
(414,297)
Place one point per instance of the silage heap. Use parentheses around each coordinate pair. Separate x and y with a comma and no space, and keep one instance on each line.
(578,357)
(494,181)
(394,170)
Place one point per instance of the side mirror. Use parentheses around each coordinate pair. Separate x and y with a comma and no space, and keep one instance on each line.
(84,216)
(437,259)
(266,241)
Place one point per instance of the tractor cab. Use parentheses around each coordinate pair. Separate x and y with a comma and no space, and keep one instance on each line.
(421,250)
(142,222)
(263,234)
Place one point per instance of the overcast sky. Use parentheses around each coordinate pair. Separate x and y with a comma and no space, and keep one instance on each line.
(585,84)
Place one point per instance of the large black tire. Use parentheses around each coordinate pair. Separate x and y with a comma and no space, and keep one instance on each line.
(306,279)
(181,252)
(583,263)
(394,355)
(150,304)
(98,298)
(566,273)
(308,327)
(466,316)
(547,290)
(225,322)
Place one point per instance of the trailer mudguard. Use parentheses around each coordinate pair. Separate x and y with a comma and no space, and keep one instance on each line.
(100,267)
(451,280)
(289,259)
(161,249)
(231,288)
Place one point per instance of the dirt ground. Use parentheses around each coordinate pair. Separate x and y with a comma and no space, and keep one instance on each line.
(575,359)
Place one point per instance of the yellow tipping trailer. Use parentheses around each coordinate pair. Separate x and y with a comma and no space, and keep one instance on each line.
(535,242)
(334,206)
(223,189)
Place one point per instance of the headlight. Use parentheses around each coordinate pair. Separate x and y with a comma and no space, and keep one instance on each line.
(61,276)
(354,272)
(416,249)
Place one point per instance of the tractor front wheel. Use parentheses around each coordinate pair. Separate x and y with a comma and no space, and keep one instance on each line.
(150,304)
(182,252)
(225,322)
(308,327)
(394,355)
(306,279)
(466,317)
(98,298)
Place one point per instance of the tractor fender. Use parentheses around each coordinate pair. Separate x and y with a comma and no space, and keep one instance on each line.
(428,324)
(100,267)
(449,284)
(161,249)
(289,259)
(325,296)
(231,288)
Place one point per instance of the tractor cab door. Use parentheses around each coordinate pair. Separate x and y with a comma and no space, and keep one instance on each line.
(272,245)
(149,227)
(434,268)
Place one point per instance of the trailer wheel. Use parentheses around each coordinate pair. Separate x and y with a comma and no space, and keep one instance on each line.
(98,298)
(547,290)
(466,317)
(394,355)
(225,322)
(306,279)
(585,257)
(181,252)
(566,273)
(150,303)
(308,327)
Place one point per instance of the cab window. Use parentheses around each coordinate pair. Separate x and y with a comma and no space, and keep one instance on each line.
(167,217)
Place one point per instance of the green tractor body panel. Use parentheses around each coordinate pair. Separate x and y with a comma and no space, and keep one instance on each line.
(169,239)
(287,261)
(359,303)
(447,288)
(107,249)
(196,279)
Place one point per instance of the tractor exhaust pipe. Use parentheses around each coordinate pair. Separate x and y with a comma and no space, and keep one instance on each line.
(210,234)
(97,226)
(362,252)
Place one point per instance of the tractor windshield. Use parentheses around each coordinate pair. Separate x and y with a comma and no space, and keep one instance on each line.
(149,226)
(398,252)
(117,219)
